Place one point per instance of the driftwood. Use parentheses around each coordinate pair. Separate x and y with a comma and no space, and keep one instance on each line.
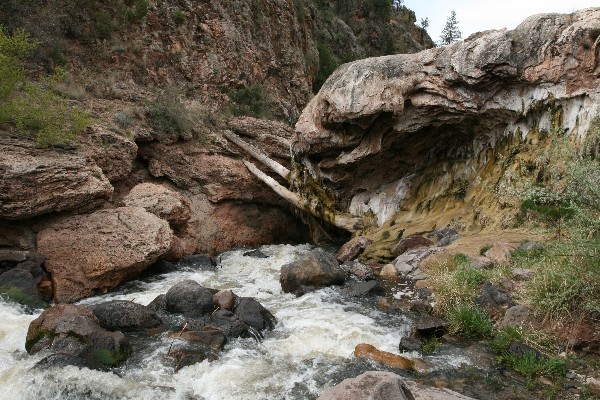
(341,220)
(259,155)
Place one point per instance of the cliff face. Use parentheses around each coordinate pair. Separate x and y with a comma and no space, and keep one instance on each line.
(200,66)
(422,140)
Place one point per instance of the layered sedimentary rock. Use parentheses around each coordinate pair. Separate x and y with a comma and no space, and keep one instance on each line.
(39,181)
(90,254)
(415,141)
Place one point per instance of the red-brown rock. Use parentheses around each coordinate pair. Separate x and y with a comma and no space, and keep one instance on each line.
(352,249)
(90,254)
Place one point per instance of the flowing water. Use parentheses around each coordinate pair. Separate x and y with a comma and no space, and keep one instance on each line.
(309,350)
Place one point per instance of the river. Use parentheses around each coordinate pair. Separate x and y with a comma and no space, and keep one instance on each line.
(309,350)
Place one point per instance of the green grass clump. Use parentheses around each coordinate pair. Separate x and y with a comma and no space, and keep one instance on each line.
(431,346)
(470,321)
(455,282)
(179,18)
(531,364)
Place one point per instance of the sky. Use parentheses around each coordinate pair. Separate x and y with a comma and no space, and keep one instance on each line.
(479,15)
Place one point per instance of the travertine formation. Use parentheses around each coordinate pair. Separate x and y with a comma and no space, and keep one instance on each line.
(419,140)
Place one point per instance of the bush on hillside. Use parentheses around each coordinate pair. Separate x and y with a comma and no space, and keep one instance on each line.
(32,108)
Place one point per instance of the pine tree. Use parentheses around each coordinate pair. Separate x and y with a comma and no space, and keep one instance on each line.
(424,23)
(450,33)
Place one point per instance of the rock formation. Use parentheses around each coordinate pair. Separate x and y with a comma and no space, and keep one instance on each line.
(90,254)
(415,141)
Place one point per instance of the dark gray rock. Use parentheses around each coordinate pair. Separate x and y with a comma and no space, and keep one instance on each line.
(75,331)
(429,326)
(124,315)
(315,270)
(253,314)
(256,253)
(19,286)
(159,304)
(493,298)
(363,289)
(197,261)
(421,307)
(516,316)
(409,343)
(190,299)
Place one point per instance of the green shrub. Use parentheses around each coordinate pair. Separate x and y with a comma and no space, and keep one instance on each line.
(431,346)
(252,101)
(327,64)
(179,18)
(168,115)
(32,108)
(455,282)
(469,320)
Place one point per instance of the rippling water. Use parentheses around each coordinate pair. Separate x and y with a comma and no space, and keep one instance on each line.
(309,350)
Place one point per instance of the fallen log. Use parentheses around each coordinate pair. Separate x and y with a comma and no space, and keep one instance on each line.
(344,221)
(258,154)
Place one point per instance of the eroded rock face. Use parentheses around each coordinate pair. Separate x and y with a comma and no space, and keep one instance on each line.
(160,201)
(40,181)
(90,254)
(113,153)
(423,139)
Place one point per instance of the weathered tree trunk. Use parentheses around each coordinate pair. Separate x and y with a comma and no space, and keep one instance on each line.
(259,155)
(341,220)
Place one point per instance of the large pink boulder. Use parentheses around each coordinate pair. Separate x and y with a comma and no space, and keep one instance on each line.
(160,201)
(91,254)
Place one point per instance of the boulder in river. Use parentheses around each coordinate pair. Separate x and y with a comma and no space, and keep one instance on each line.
(370,352)
(90,254)
(315,270)
(190,299)
(125,315)
(18,285)
(75,331)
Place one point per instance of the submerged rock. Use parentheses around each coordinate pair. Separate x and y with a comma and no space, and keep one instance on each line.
(370,352)
(314,270)
(18,285)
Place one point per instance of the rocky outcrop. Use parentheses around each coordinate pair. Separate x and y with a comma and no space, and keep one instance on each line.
(90,254)
(112,152)
(314,270)
(421,140)
(36,181)
(160,201)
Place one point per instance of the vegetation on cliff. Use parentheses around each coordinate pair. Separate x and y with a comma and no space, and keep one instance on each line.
(32,108)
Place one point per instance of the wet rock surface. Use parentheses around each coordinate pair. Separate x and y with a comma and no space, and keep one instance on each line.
(352,249)
(75,332)
(124,315)
(314,270)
